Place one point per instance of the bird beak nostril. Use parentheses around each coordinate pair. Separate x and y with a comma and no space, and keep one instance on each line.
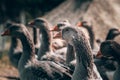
(99,54)
(6,32)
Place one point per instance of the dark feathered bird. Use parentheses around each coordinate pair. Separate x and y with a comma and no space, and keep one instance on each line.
(111,49)
(15,50)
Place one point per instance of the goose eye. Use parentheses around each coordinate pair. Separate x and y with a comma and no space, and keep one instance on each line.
(59,25)
(67,30)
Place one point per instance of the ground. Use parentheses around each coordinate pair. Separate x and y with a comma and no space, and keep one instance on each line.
(6,69)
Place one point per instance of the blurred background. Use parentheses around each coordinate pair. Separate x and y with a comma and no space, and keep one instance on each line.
(102,14)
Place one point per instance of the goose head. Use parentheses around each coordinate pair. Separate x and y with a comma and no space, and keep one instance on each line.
(82,23)
(113,32)
(68,34)
(38,23)
(61,25)
(14,30)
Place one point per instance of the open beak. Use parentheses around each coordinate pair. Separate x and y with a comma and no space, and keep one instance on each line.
(55,28)
(58,35)
(99,54)
(6,32)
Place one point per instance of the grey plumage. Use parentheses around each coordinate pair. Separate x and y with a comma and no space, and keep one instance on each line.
(29,67)
(85,68)
(111,48)
(45,52)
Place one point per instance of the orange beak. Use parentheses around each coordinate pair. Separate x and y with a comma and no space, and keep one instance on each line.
(79,24)
(6,32)
(31,23)
(58,35)
(55,28)
(99,54)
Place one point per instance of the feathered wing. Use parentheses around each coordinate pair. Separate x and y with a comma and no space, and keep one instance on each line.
(47,70)
(116,47)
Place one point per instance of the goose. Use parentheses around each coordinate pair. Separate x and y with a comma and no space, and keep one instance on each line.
(85,68)
(99,62)
(58,43)
(29,67)
(68,50)
(15,51)
(45,52)
(111,49)
(104,64)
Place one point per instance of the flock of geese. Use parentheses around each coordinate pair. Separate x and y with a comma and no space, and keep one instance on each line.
(62,52)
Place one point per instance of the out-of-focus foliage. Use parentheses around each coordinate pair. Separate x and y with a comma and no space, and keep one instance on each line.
(11,8)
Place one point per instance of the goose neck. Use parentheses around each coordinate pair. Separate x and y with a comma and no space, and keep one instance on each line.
(110,36)
(91,34)
(84,56)
(14,45)
(45,42)
(28,50)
